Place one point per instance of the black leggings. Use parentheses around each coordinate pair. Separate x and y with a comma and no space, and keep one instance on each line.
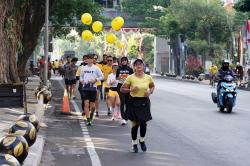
(134,129)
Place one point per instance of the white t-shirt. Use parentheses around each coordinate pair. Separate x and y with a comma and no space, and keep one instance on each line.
(89,73)
(111,78)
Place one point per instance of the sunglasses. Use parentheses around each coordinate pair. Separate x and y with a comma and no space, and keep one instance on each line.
(109,60)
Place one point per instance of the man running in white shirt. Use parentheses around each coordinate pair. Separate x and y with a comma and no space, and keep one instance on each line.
(90,74)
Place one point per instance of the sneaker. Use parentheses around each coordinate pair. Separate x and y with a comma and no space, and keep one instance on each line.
(97,114)
(124,122)
(143,146)
(109,113)
(89,124)
(113,118)
(134,149)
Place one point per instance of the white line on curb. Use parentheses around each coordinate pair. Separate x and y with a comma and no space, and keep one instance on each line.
(95,160)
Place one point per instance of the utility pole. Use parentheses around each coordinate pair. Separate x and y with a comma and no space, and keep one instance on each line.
(46,42)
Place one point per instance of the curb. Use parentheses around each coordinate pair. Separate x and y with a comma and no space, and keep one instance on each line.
(190,81)
(35,154)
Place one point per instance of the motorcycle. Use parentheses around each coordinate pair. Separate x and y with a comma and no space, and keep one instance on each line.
(227,94)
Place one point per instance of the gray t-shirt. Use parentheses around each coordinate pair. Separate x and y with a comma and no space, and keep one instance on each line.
(70,71)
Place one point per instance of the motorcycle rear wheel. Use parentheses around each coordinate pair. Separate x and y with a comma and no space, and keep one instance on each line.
(221,109)
(229,109)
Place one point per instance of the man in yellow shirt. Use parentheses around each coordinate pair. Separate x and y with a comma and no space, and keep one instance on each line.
(107,69)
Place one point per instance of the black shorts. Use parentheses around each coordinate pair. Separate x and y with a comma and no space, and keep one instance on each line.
(99,87)
(88,95)
(106,90)
(70,82)
(139,109)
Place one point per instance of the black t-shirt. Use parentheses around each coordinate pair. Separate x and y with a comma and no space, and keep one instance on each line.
(123,72)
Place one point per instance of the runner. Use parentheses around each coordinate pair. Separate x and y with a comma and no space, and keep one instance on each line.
(107,69)
(113,95)
(90,74)
(140,86)
(70,77)
(122,73)
(99,87)
(78,73)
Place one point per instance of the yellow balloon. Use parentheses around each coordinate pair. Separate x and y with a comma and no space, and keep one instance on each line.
(97,26)
(120,45)
(111,38)
(86,19)
(117,23)
(87,35)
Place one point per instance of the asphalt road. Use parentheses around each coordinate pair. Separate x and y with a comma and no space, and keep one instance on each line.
(187,130)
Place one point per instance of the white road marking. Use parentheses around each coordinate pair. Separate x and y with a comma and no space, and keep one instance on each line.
(95,160)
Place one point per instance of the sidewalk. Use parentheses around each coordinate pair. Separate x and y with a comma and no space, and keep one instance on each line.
(8,117)
(196,81)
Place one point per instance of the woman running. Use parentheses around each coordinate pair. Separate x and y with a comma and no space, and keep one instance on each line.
(113,94)
(140,86)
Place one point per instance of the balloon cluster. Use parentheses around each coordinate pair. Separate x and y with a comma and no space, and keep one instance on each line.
(97,26)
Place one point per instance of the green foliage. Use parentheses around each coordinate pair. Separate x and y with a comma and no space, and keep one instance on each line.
(148,50)
(243,6)
(144,11)
(67,14)
(133,53)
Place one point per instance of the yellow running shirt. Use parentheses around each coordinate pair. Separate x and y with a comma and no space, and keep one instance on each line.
(142,83)
(106,71)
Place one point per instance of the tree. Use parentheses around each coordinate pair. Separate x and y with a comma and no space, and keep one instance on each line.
(243,6)
(144,12)
(21,24)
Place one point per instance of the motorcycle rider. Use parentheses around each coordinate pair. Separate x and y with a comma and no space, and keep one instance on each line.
(223,71)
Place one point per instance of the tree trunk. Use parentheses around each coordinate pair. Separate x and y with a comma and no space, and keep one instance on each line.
(34,21)
(9,41)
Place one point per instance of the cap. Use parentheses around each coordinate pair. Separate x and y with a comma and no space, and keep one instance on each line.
(138,60)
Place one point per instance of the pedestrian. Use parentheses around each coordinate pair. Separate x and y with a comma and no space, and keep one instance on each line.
(113,94)
(245,73)
(56,63)
(90,74)
(140,86)
(70,77)
(102,63)
(239,72)
(98,86)
(122,73)
(107,69)
(78,73)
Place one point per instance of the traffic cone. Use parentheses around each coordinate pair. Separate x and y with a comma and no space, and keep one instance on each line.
(65,105)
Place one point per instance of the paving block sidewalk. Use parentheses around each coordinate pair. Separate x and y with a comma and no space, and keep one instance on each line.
(8,117)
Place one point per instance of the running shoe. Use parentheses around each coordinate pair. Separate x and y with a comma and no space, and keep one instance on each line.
(88,124)
(143,146)
(123,122)
(134,149)
(97,114)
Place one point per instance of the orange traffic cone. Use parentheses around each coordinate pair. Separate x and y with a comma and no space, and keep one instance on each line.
(65,105)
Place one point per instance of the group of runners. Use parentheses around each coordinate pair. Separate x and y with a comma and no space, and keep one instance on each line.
(126,89)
